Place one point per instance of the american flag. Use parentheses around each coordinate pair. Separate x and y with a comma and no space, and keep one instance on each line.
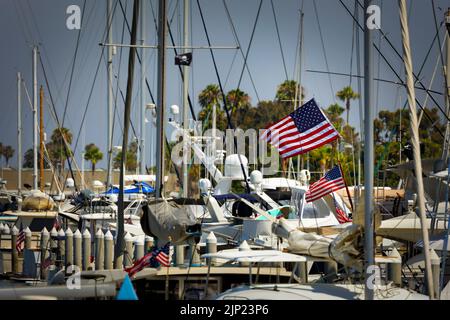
(162,256)
(46,263)
(56,223)
(20,240)
(333,180)
(341,216)
(152,258)
(303,130)
(139,264)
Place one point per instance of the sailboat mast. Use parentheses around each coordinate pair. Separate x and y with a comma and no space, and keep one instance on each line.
(185,100)
(160,150)
(41,139)
(120,244)
(299,91)
(19,133)
(368,151)
(141,148)
(415,141)
(109,93)
(35,121)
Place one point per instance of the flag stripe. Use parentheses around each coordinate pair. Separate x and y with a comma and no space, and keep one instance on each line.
(307,148)
(319,130)
(312,140)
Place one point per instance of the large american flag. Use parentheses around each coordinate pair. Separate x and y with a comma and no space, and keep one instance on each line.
(303,130)
(333,180)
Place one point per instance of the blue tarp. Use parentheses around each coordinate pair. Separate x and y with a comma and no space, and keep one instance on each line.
(139,187)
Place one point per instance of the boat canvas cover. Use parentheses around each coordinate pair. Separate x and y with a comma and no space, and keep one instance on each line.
(166,220)
(140,187)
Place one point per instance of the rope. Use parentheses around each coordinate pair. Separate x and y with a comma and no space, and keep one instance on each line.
(415,140)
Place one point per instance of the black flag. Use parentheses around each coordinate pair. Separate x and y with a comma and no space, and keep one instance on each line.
(183,59)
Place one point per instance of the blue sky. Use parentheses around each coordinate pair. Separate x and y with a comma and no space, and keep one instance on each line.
(27,22)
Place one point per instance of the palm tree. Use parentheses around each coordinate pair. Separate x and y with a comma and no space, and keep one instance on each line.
(345,95)
(57,146)
(209,97)
(238,100)
(93,154)
(288,91)
(8,153)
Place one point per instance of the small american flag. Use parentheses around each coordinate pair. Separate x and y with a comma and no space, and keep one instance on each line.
(20,240)
(152,258)
(46,263)
(162,256)
(333,180)
(341,216)
(140,264)
(303,130)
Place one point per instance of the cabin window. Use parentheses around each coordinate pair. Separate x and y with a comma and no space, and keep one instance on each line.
(312,212)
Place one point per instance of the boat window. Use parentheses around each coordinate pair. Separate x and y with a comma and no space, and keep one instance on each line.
(311,211)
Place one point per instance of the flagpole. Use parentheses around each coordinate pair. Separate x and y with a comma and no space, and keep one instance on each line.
(346,187)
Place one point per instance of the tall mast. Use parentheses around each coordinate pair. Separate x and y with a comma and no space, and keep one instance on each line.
(141,148)
(299,94)
(162,33)
(185,102)
(368,151)
(120,244)
(447,84)
(415,141)
(35,121)
(19,133)
(41,139)
(109,93)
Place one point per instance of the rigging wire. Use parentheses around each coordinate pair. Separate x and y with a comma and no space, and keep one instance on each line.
(249,45)
(73,65)
(324,51)
(395,72)
(66,147)
(230,125)
(279,39)
(416,78)
(233,29)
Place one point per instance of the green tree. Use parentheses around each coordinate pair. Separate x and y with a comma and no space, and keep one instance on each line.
(208,98)
(346,95)
(28,159)
(130,159)
(238,100)
(288,91)
(93,154)
(8,153)
(57,148)
(391,135)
